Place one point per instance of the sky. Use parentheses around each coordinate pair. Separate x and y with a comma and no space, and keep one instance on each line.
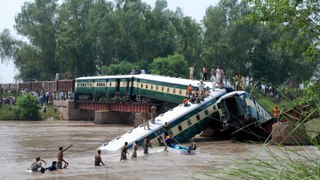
(10,8)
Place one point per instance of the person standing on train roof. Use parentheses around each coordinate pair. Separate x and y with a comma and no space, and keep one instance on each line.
(189,91)
(191,72)
(204,73)
(201,86)
(153,113)
(145,120)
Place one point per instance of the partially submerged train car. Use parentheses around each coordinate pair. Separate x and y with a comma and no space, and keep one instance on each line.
(239,109)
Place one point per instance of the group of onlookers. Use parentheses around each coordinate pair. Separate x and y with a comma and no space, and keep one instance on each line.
(11,100)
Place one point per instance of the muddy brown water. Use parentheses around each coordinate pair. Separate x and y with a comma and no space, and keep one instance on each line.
(22,141)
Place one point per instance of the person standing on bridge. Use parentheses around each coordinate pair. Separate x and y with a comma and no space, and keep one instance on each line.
(153,114)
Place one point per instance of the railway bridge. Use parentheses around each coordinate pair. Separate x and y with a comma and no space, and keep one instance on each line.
(122,99)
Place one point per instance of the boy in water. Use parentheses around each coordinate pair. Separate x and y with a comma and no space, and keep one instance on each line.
(135,148)
(53,167)
(60,158)
(97,159)
(37,165)
(147,144)
(124,151)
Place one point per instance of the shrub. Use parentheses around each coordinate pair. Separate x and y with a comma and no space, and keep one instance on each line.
(28,107)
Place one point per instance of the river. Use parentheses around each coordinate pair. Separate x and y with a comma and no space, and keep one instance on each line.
(22,141)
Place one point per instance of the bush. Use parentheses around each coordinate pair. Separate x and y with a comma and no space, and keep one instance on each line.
(7,113)
(27,108)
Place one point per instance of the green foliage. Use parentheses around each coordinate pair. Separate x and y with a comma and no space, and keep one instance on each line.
(7,113)
(124,67)
(293,16)
(50,113)
(79,37)
(175,66)
(27,107)
(37,22)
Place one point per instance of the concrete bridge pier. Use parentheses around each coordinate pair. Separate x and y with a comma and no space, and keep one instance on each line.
(68,111)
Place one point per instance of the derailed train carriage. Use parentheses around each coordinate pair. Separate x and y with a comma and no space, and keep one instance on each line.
(235,109)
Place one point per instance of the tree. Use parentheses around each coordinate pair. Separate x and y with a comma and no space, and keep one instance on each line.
(75,54)
(174,65)
(124,67)
(37,22)
(7,46)
(293,16)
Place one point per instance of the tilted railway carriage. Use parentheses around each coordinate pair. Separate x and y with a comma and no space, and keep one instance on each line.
(133,86)
(238,109)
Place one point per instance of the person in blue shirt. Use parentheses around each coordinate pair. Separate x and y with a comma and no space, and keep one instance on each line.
(53,167)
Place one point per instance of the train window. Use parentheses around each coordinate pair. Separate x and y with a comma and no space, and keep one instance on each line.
(156,88)
(206,112)
(174,90)
(110,84)
(180,128)
(141,85)
(146,86)
(151,87)
(168,89)
(180,91)
(189,122)
(162,88)
(198,117)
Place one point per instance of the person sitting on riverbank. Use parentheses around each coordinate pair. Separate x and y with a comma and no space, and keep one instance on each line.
(37,165)
(97,159)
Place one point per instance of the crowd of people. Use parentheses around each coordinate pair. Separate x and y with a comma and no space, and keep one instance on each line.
(217,77)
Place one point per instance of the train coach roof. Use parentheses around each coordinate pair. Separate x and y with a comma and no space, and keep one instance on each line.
(159,78)
(105,77)
(167,79)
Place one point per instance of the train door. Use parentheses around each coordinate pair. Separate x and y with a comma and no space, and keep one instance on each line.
(117,90)
(128,86)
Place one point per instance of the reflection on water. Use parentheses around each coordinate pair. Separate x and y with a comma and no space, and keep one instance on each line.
(21,142)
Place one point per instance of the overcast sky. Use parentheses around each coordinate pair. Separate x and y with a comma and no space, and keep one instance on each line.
(10,8)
